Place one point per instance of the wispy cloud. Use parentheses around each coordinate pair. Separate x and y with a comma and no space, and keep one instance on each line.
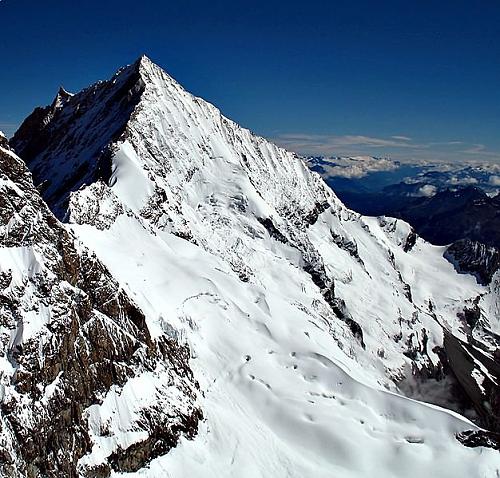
(482,151)
(401,138)
(328,144)
(399,147)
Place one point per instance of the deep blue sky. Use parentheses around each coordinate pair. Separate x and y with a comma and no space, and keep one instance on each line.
(319,76)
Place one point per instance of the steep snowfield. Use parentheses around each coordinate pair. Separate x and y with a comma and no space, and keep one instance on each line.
(80,375)
(305,321)
(280,396)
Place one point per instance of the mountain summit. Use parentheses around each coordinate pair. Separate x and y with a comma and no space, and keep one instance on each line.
(78,129)
(315,334)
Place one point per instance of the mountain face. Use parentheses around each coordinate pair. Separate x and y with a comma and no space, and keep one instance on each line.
(444,203)
(78,130)
(467,219)
(315,334)
(449,216)
(81,376)
(471,257)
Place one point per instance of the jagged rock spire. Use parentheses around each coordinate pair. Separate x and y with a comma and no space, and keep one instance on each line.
(61,98)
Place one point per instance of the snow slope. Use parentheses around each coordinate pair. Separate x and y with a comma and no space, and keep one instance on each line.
(306,322)
(80,375)
(281,398)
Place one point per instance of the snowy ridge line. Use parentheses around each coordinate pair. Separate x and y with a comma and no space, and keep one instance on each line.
(230,243)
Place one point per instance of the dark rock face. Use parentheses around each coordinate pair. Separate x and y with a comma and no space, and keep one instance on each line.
(469,371)
(449,216)
(411,240)
(85,337)
(91,119)
(476,438)
(340,310)
(316,270)
(347,245)
(467,362)
(273,231)
(474,258)
(319,208)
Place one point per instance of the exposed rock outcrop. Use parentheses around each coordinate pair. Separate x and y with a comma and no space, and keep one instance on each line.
(70,337)
(471,257)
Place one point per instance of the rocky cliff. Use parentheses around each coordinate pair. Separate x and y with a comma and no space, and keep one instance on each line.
(75,350)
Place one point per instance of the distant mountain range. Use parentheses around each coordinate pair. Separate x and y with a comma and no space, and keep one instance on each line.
(450,215)
(445,203)
(423,178)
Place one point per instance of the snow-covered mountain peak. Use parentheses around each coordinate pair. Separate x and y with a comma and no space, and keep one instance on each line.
(145,63)
(305,321)
(78,130)
(148,67)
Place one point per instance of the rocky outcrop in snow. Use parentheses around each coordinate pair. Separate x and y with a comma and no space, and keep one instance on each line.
(472,257)
(84,387)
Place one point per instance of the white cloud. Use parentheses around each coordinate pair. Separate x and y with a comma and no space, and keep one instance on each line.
(338,145)
(427,191)
(401,138)
(494,180)
(465,181)
(356,167)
